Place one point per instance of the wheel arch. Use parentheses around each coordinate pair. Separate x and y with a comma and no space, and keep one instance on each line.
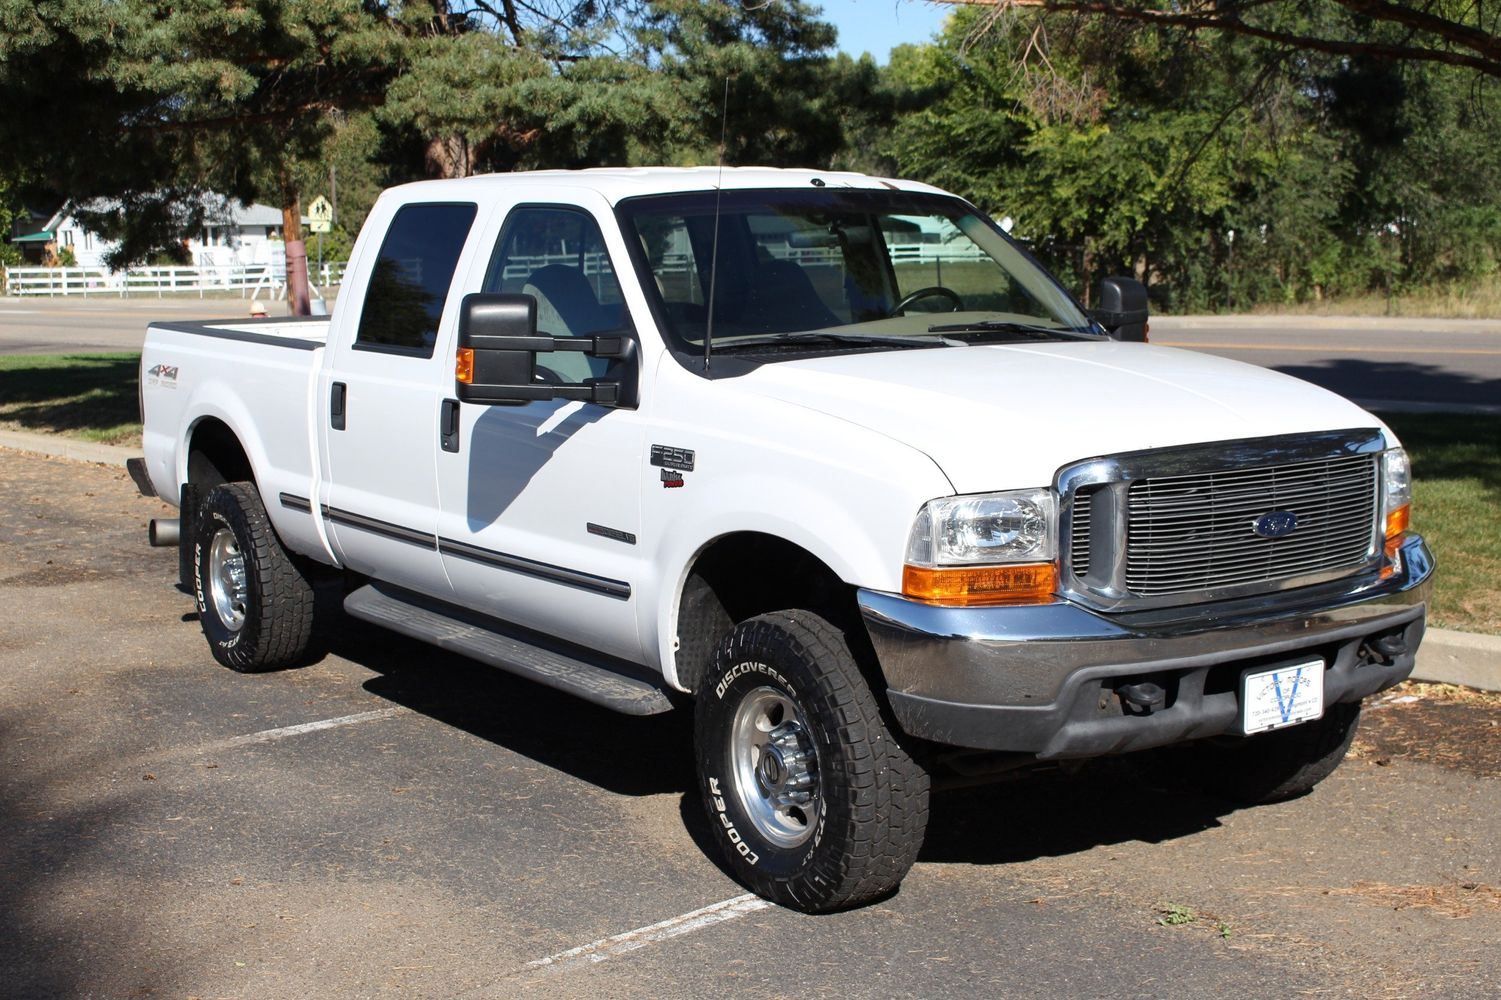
(214,454)
(742,574)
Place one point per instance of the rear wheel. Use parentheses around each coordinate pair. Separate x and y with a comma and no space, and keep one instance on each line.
(255,606)
(1278,765)
(813,804)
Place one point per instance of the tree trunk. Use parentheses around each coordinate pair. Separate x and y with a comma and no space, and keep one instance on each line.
(291,233)
(449,156)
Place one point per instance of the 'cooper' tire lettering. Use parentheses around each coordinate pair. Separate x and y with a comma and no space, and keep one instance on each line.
(741,847)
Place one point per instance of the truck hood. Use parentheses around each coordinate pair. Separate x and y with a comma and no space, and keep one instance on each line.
(1009,416)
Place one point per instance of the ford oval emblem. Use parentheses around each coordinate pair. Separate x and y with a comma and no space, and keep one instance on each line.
(1277,524)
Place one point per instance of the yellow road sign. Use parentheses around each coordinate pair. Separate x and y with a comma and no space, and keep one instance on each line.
(320,215)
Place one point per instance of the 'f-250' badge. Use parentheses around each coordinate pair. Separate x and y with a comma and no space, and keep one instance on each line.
(674,462)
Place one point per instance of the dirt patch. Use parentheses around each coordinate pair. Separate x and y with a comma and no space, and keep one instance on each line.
(53,575)
(1454,727)
(1458,899)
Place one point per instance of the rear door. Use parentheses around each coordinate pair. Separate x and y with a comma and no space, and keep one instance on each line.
(381,396)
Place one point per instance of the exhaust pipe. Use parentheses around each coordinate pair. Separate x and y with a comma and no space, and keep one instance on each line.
(163,532)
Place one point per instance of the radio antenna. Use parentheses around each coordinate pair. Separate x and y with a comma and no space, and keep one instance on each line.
(724,115)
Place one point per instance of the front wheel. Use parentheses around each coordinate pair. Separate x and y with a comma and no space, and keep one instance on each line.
(813,804)
(255,606)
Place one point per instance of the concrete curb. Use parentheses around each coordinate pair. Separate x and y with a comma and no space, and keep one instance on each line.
(65,447)
(1450,657)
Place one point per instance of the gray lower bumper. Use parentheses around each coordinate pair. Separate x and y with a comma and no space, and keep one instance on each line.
(1044,679)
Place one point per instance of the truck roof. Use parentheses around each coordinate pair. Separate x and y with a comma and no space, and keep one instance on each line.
(617,183)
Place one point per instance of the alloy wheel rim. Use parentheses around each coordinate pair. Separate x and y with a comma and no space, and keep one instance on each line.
(775,767)
(226,579)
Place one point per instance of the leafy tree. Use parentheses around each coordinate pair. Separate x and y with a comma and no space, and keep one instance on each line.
(207,95)
(1222,169)
(1439,32)
(770,64)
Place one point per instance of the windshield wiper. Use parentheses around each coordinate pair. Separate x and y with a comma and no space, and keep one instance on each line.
(829,339)
(1011,326)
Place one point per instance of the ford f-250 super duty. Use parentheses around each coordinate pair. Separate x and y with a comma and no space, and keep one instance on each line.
(828,455)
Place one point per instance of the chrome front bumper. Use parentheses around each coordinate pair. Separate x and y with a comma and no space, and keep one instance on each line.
(1047,679)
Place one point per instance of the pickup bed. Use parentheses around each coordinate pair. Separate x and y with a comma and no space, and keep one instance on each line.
(828,458)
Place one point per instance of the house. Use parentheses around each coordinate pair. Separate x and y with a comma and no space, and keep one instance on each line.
(233,234)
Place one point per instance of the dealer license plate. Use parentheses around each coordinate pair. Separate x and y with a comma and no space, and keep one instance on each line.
(1285,696)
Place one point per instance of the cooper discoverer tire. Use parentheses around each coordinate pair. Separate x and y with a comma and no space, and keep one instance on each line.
(1281,764)
(255,607)
(813,804)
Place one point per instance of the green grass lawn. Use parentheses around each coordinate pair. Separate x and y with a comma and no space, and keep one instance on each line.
(1456,468)
(1456,463)
(90,396)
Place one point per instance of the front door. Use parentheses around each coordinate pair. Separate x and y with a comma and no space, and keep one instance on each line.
(540,504)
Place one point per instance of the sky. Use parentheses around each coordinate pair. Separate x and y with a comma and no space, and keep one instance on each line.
(877,26)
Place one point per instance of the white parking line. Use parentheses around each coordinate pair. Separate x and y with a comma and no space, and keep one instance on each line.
(267,735)
(611,947)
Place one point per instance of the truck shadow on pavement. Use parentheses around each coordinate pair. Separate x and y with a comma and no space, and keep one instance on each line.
(1029,817)
(622,754)
(1111,801)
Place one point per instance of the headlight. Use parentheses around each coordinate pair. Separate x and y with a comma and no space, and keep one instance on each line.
(1396,506)
(991,548)
(1396,491)
(987,528)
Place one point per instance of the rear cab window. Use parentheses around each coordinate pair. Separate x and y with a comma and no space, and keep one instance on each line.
(408,286)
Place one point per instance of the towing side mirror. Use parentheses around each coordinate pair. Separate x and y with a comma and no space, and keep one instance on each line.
(1123,309)
(498,348)
(498,344)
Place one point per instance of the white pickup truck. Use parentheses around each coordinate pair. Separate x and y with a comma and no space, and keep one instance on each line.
(827,456)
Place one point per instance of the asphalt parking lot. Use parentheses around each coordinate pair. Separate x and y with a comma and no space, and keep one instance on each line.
(391,820)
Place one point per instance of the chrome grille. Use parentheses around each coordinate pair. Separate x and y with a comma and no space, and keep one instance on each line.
(1192,533)
(1078,548)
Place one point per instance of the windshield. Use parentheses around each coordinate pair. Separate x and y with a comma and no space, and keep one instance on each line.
(852,263)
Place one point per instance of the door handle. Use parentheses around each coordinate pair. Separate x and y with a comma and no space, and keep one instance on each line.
(448,425)
(336,402)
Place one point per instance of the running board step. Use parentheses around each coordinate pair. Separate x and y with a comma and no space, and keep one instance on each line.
(607,683)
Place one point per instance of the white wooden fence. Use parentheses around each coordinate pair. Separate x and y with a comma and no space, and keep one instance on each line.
(247,279)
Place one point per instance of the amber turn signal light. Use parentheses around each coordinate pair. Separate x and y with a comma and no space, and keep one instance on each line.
(463,368)
(1396,525)
(1397,520)
(977,586)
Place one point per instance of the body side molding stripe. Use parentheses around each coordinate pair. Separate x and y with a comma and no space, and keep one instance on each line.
(447,546)
(293,502)
(544,571)
(378,527)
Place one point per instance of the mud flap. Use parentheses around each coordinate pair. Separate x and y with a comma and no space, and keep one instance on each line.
(187,513)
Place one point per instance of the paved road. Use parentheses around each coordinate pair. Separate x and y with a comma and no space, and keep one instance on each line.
(1412,362)
(392,821)
(1378,361)
(58,325)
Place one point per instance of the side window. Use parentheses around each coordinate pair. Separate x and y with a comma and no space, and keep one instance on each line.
(557,256)
(410,280)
